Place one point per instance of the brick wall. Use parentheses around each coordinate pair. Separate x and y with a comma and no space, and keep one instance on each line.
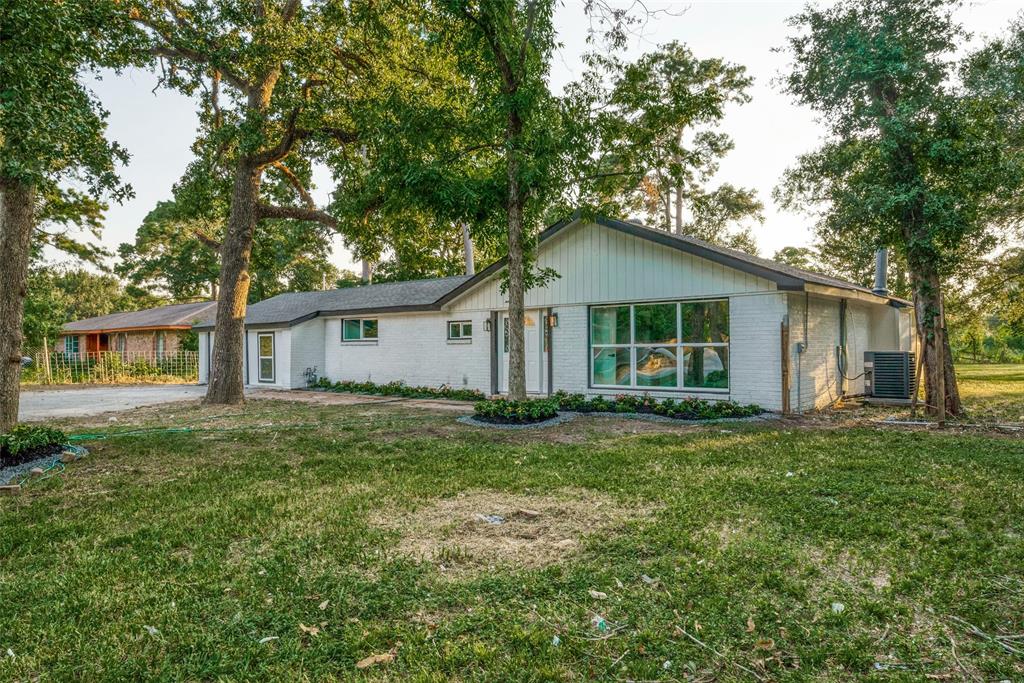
(412,348)
(307,350)
(818,381)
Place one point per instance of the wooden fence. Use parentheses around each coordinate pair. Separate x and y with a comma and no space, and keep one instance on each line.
(110,367)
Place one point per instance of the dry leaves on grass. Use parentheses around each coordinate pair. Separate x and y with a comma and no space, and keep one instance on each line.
(463,533)
(372,660)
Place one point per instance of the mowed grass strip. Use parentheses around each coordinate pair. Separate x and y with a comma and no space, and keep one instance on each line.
(992,393)
(278,553)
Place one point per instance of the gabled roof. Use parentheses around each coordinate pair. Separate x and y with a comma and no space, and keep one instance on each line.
(179,316)
(431,295)
(293,308)
(784,276)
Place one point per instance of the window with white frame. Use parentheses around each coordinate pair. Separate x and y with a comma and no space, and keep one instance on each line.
(265,352)
(161,344)
(460,330)
(356,329)
(71,344)
(658,346)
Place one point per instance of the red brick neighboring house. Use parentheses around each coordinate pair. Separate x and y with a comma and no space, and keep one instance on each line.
(154,332)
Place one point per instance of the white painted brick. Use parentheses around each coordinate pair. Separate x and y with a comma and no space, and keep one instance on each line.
(411,348)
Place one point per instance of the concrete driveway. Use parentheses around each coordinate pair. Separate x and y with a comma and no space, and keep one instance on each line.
(46,404)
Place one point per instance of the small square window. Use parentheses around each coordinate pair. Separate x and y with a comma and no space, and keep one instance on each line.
(460,330)
(358,330)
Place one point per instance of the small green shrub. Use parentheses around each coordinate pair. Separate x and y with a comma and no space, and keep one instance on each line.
(517,412)
(399,389)
(682,409)
(23,439)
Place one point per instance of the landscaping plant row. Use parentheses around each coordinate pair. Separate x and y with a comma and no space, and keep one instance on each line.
(399,389)
(28,442)
(504,411)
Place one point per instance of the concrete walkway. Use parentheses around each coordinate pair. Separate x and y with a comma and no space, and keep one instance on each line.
(85,400)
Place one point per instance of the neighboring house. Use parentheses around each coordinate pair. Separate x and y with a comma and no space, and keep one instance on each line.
(634,310)
(152,333)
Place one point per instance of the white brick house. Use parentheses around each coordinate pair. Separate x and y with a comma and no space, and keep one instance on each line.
(633,310)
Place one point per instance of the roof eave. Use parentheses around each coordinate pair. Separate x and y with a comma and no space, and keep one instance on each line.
(143,328)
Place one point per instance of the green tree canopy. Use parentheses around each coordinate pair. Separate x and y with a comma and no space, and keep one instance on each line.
(912,160)
(52,132)
(658,144)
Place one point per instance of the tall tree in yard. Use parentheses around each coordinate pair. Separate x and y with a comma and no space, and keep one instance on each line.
(284,83)
(505,48)
(913,159)
(51,130)
(658,140)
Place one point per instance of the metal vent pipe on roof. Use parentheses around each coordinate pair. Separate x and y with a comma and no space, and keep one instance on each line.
(881,272)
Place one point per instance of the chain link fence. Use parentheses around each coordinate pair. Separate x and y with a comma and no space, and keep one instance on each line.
(109,367)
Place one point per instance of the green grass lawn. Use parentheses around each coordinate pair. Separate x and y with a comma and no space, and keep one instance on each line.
(992,393)
(316,536)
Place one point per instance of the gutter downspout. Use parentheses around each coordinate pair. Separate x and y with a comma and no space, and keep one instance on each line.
(246,339)
(842,361)
(801,348)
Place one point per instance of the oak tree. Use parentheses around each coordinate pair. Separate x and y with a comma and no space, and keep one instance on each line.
(284,83)
(52,131)
(912,158)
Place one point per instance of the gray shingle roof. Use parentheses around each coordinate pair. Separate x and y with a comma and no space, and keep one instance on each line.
(424,295)
(294,307)
(175,315)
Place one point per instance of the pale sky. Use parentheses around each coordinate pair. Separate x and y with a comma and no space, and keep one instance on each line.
(158,127)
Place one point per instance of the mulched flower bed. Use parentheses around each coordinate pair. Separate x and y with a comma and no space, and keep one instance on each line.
(24,443)
(29,454)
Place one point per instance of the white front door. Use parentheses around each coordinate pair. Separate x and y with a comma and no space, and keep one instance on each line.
(536,357)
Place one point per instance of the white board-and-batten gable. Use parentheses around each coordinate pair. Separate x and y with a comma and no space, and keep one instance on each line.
(597,264)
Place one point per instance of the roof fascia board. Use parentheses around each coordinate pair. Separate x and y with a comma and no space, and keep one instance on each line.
(107,330)
(838,293)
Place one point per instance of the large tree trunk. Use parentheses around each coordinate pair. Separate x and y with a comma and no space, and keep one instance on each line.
(939,375)
(228,359)
(516,293)
(17,220)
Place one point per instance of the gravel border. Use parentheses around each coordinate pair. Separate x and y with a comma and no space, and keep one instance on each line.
(566,415)
(8,475)
(561,418)
(652,417)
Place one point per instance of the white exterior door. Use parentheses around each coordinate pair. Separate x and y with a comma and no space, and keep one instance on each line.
(536,356)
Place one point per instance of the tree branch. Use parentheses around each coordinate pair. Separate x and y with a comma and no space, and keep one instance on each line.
(172,50)
(531,19)
(289,11)
(297,213)
(284,146)
(207,241)
(490,35)
(295,182)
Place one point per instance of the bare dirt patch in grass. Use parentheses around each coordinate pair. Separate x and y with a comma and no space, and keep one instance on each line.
(481,529)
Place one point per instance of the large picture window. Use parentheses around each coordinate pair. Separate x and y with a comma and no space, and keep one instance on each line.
(681,345)
(354,329)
